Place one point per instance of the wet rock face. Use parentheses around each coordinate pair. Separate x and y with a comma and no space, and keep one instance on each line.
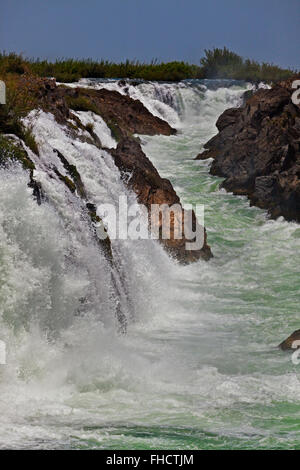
(125,117)
(152,189)
(292,342)
(257,151)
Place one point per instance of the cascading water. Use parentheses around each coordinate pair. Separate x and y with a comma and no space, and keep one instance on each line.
(197,368)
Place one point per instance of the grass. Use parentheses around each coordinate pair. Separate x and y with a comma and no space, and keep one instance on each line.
(81,103)
(29,140)
(90,127)
(71,70)
(217,63)
(11,151)
(84,103)
(23,94)
(19,102)
(115,131)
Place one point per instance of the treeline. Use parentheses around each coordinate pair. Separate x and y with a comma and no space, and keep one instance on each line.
(223,63)
(70,70)
(217,63)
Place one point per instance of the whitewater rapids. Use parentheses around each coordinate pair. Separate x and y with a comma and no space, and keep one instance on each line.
(198,366)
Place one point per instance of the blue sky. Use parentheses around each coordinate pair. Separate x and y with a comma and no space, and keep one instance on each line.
(144,29)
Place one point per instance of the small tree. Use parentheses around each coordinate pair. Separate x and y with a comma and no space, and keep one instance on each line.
(220,63)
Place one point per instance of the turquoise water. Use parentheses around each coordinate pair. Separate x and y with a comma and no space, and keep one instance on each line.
(199,367)
(250,293)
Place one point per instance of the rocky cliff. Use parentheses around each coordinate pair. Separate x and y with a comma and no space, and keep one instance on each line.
(152,189)
(125,117)
(257,151)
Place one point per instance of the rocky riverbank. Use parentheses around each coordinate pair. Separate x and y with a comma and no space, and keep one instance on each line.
(257,151)
(124,117)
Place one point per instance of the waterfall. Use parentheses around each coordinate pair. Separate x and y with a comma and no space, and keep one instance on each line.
(199,344)
(77,279)
(178,102)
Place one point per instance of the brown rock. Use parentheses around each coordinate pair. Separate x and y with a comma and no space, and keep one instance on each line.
(207,154)
(287,344)
(125,117)
(152,189)
(257,151)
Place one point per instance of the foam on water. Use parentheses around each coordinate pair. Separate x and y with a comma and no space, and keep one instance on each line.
(176,102)
(198,367)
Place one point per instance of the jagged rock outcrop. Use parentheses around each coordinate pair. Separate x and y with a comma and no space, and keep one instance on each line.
(257,151)
(292,342)
(152,189)
(125,117)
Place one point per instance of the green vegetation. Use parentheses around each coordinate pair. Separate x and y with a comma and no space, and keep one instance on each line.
(217,63)
(65,179)
(90,127)
(71,70)
(115,130)
(29,140)
(81,103)
(223,63)
(19,102)
(25,93)
(11,151)
(76,182)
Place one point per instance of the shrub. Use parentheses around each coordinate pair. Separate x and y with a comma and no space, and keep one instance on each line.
(217,63)
(29,140)
(220,63)
(223,63)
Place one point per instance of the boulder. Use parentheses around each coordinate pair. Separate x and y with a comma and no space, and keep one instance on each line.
(125,117)
(257,151)
(288,344)
(152,189)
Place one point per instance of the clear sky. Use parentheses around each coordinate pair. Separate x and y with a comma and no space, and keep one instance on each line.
(266,30)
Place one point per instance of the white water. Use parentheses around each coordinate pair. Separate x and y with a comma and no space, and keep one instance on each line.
(197,368)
